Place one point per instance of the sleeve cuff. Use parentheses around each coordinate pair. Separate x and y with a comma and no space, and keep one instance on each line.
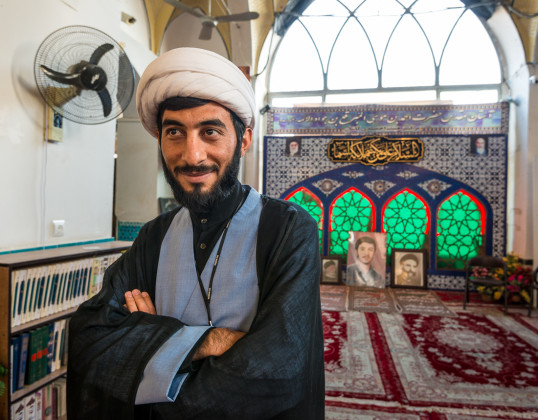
(161,382)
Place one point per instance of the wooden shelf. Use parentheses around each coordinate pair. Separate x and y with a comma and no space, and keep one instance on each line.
(10,263)
(28,389)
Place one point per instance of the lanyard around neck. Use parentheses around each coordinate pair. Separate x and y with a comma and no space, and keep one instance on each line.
(207,296)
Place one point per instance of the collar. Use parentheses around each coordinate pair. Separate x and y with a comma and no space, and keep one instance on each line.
(222,211)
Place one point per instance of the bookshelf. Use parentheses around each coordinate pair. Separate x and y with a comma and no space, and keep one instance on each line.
(39,291)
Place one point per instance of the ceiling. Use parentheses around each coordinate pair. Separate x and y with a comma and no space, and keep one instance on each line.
(524,13)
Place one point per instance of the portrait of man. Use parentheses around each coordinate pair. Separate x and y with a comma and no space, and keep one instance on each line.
(408,268)
(366,259)
(330,270)
(479,145)
(293,147)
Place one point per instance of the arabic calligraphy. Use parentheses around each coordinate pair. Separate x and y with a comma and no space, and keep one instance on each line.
(376,150)
(361,120)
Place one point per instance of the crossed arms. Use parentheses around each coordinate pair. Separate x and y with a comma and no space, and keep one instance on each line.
(216,342)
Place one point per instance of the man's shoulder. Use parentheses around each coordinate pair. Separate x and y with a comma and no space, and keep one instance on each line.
(276,207)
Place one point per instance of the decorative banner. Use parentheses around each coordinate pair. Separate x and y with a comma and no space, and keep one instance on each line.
(376,150)
(390,120)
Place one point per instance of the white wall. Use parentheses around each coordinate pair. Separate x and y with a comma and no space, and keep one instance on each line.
(522,139)
(39,181)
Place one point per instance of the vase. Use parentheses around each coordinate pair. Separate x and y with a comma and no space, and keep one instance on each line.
(486,298)
(515,298)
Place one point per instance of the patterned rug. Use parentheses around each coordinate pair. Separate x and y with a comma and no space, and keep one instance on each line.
(423,302)
(334,298)
(408,366)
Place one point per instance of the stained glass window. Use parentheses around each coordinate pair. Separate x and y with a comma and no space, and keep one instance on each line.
(351,211)
(406,219)
(308,201)
(460,229)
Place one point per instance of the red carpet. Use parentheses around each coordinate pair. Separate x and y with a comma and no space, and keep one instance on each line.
(408,366)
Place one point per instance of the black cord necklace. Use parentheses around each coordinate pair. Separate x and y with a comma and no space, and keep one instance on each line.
(207,296)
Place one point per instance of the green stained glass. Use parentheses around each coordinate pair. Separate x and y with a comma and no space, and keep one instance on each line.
(459,226)
(406,222)
(312,205)
(351,212)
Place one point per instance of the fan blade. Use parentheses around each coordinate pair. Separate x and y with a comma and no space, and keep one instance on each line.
(238,17)
(59,96)
(99,52)
(207,30)
(65,78)
(106,101)
(179,5)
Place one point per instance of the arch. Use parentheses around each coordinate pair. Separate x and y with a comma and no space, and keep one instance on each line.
(461,221)
(350,211)
(312,204)
(406,220)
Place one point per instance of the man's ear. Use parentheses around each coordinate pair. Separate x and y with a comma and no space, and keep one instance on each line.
(246,141)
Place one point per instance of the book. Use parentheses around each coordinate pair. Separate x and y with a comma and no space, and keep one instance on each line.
(50,347)
(38,404)
(15,280)
(14,360)
(25,338)
(29,407)
(17,410)
(31,364)
(47,402)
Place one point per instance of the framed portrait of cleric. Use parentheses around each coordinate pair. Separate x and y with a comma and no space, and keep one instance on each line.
(408,268)
(331,270)
(479,145)
(293,147)
(366,259)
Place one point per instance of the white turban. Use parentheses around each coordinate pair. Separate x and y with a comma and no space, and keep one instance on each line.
(196,73)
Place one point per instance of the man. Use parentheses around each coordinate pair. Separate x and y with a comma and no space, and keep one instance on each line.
(214,312)
(362,273)
(330,275)
(408,271)
(294,149)
(480,146)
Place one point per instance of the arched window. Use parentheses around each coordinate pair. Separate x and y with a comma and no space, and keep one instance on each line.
(406,219)
(351,211)
(308,201)
(372,51)
(461,222)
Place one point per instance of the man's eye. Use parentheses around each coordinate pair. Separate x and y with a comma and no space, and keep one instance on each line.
(172,131)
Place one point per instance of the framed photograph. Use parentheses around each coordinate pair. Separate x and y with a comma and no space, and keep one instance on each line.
(408,268)
(366,259)
(479,145)
(331,270)
(293,147)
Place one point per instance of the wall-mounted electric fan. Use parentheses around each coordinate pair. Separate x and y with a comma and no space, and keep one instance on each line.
(84,75)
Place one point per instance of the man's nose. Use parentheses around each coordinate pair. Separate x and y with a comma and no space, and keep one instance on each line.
(194,151)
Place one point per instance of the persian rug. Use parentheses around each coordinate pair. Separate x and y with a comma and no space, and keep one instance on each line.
(423,302)
(334,298)
(409,366)
(370,299)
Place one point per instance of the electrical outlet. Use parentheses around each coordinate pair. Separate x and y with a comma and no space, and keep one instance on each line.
(58,227)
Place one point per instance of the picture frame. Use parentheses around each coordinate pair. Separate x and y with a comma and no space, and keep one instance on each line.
(366,259)
(331,270)
(409,268)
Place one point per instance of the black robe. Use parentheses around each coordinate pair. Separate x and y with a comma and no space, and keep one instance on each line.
(275,371)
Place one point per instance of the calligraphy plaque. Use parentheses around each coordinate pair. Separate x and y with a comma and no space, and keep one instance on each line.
(376,150)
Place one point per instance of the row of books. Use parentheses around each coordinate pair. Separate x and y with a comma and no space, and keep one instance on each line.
(48,403)
(45,290)
(37,353)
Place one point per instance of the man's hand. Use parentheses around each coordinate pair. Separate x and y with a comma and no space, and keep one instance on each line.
(217,341)
(139,301)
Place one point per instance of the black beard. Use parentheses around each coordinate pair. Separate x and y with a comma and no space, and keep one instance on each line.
(198,201)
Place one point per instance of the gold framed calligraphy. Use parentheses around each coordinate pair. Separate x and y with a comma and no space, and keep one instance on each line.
(376,150)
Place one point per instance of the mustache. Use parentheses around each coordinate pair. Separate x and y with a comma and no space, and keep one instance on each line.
(195,169)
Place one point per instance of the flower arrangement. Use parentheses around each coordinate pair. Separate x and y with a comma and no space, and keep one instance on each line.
(488,293)
(518,276)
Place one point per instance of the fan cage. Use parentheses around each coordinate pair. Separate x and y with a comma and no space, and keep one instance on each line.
(69,46)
